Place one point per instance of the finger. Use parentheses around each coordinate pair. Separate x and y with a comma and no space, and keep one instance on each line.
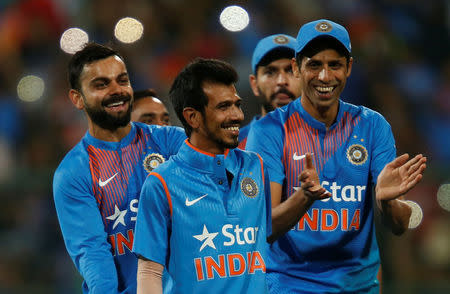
(413,162)
(414,166)
(416,173)
(399,161)
(303,176)
(309,163)
(413,183)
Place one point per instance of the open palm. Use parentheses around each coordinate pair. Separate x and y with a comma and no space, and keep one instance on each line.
(399,176)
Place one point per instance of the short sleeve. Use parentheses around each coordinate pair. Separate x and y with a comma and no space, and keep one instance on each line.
(268,202)
(383,145)
(266,138)
(152,231)
(83,229)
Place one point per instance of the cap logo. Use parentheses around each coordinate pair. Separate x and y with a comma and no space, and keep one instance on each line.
(281,40)
(324,27)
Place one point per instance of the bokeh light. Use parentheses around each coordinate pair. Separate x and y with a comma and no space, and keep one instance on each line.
(234,18)
(30,88)
(73,40)
(128,30)
(443,196)
(416,214)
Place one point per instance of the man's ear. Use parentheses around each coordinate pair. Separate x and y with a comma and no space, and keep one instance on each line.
(193,117)
(76,98)
(295,67)
(253,85)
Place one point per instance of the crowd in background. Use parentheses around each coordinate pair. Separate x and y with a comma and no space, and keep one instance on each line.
(401,69)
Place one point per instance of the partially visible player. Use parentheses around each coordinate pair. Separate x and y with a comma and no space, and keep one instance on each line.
(97,185)
(205,215)
(333,248)
(272,80)
(149,109)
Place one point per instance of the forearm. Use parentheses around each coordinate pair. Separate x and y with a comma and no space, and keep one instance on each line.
(395,214)
(149,277)
(286,214)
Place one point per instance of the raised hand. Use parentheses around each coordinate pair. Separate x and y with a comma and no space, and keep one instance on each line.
(399,176)
(310,182)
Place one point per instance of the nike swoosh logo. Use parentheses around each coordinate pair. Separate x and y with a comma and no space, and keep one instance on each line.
(298,157)
(102,184)
(192,202)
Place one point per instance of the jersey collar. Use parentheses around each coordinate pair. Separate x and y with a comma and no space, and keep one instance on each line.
(205,161)
(315,123)
(111,145)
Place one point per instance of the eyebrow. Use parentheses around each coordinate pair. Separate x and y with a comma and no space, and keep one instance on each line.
(121,75)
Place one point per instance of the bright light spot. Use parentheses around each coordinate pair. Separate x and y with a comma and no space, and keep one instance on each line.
(128,30)
(416,214)
(234,18)
(73,40)
(443,196)
(30,88)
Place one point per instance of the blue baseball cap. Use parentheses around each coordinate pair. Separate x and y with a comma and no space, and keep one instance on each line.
(319,28)
(270,43)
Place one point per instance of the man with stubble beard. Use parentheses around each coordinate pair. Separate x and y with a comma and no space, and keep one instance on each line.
(272,80)
(97,185)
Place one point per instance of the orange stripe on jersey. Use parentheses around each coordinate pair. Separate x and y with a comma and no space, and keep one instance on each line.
(301,138)
(163,182)
(262,168)
(204,152)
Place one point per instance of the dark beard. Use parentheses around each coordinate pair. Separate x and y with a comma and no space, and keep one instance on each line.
(268,107)
(106,121)
(219,141)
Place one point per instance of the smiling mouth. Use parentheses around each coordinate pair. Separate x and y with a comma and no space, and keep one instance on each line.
(324,90)
(116,104)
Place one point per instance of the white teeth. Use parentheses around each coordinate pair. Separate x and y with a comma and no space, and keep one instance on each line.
(115,104)
(324,89)
(232,128)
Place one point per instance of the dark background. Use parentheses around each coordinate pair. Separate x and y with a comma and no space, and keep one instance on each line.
(401,69)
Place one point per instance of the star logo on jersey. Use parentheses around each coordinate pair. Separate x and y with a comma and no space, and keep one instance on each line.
(118,216)
(207,238)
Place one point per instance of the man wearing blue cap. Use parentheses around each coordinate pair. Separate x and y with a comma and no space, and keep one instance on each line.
(272,79)
(333,248)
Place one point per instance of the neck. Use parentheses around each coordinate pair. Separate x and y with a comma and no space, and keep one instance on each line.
(263,111)
(326,114)
(109,135)
(205,146)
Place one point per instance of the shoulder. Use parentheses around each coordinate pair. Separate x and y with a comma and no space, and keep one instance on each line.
(247,156)
(75,165)
(365,113)
(157,131)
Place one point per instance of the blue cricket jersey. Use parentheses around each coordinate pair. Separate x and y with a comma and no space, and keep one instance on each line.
(96,191)
(333,247)
(206,218)
(243,132)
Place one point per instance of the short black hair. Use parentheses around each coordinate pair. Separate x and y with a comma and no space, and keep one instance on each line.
(91,52)
(144,93)
(322,43)
(187,88)
(277,53)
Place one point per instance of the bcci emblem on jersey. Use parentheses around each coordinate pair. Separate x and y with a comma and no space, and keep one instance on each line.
(249,187)
(152,161)
(357,154)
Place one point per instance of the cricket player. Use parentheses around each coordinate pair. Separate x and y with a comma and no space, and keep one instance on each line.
(333,248)
(98,183)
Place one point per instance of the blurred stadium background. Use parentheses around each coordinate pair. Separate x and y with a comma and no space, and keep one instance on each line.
(402,69)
